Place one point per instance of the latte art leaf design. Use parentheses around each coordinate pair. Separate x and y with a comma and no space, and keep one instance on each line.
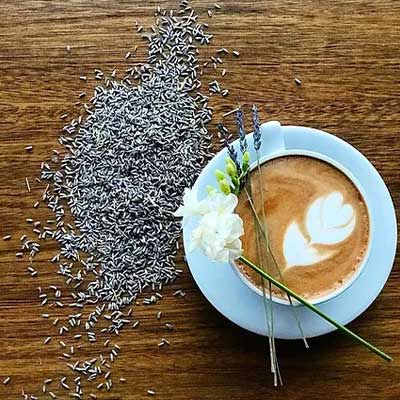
(328,222)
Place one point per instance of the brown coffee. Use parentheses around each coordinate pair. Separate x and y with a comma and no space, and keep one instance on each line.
(318,225)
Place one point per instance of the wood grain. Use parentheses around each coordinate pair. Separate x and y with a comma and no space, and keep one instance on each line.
(345,52)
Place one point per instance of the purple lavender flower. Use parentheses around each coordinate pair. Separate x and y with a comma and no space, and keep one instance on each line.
(257,131)
(231,150)
(241,132)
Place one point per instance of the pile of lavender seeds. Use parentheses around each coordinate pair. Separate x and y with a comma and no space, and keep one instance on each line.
(114,192)
(127,165)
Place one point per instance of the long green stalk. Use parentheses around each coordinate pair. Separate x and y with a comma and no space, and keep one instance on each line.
(268,306)
(316,310)
(275,363)
(267,240)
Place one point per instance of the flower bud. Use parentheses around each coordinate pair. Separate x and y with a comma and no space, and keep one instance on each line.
(229,160)
(219,175)
(246,160)
(224,186)
(231,169)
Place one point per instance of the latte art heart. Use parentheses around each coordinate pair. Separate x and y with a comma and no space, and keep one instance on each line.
(328,221)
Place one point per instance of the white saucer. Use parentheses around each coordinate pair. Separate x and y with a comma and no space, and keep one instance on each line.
(229,295)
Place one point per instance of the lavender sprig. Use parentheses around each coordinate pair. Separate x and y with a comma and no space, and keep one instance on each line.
(231,150)
(241,132)
(257,131)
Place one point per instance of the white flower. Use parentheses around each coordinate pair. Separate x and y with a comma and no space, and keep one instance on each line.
(222,203)
(219,230)
(191,205)
(218,236)
(217,202)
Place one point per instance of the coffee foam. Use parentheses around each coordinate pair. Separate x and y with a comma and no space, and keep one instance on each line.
(317,220)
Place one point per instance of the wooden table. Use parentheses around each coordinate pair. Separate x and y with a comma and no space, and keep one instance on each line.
(346,54)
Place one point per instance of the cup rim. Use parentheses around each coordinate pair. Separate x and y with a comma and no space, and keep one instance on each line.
(356,183)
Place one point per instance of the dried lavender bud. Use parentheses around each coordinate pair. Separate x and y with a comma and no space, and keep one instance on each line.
(241,132)
(257,131)
(231,150)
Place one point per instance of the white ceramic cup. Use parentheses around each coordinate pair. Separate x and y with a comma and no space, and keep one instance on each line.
(273,140)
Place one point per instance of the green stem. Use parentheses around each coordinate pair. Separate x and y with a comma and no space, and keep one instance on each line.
(310,306)
(271,308)
(268,306)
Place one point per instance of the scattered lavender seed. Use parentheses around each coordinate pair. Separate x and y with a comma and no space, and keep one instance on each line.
(29,148)
(234,111)
(7,237)
(68,49)
(64,384)
(47,340)
(236,53)
(135,324)
(151,392)
(83,78)
(27,184)
(298,81)
(7,380)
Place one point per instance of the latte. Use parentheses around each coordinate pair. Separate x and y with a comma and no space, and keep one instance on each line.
(318,225)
